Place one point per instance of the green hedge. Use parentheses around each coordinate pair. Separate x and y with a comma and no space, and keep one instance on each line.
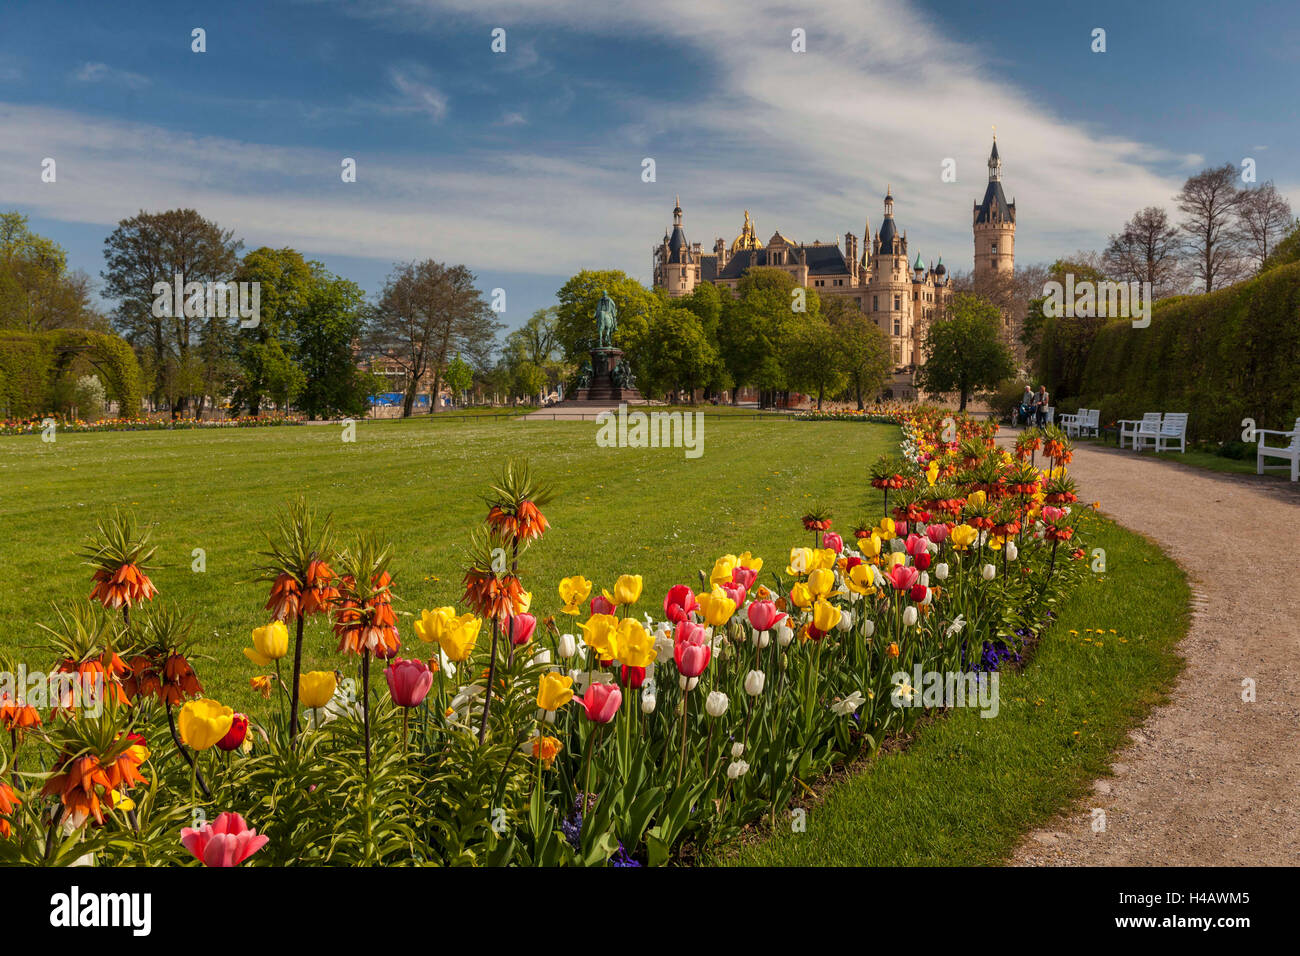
(1222,357)
(32,364)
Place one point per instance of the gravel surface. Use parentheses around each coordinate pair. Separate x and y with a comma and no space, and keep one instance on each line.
(1208,779)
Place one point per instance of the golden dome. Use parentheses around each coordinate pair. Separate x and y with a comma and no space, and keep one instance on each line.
(747,239)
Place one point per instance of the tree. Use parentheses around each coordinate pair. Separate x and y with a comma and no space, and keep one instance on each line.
(964,351)
(285,280)
(428,312)
(156,247)
(813,359)
(675,354)
(325,336)
(1210,201)
(459,376)
(1145,250)
(37,292)
(575,323)
(1264,217)
(754,326)
(862,345)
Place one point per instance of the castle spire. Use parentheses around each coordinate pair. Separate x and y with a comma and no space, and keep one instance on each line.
(995,161)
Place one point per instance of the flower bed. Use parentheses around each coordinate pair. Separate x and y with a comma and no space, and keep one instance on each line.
(880,414)
(625,729)
(36,426)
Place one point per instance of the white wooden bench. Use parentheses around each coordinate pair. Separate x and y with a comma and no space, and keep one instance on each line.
(1133,428)
(1289,452)
(1089,421)
(1173,428)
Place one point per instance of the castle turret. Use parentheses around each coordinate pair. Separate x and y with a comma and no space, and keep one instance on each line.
(677,263)
(995,225)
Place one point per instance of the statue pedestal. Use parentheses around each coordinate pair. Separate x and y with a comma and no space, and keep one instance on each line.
(602,387)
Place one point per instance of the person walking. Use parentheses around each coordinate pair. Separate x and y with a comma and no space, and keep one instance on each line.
(1040,406)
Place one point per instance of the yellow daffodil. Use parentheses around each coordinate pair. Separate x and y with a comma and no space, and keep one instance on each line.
(462,633)
(636,648)
(627,589)
(270,643)
(554,691)
(722,569)
(821,582)
(432,625)
(316,688)
(573,592)
(716,606)
(825,615)
(203,722)
(601,634)
(963,536)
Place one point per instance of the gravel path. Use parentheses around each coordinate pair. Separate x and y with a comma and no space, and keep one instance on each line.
(1208,779)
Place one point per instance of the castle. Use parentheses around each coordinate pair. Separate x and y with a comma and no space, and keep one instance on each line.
(901,298)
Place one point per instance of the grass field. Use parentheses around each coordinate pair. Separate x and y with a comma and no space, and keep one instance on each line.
(418,483)
(966,788)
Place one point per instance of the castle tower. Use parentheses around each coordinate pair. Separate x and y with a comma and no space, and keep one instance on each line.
(677,266)
(995,226)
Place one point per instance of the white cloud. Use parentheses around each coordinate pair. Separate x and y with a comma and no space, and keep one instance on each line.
(416,93)
(103,73)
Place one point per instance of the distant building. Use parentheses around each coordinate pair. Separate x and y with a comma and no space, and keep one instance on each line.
(903,298)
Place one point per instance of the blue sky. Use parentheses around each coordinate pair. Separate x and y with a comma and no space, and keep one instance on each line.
(526,165)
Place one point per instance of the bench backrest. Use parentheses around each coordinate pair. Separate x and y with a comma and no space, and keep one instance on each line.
(1174,423)
(1091,418)
(1150,423)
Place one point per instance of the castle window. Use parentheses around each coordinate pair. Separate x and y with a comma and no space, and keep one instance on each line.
(898,326)
(875,303)
(993,249)
(898,302)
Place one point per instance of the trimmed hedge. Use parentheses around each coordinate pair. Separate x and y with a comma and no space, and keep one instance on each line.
(1222,357)
(33,363)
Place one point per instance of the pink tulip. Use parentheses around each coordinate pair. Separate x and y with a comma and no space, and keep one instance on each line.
(601,702)
(1051,513)
(408,681)
(522,627)
(916,544)
(680,602)
(734,591)
(938,533)
(832,540)
(601,605)
(227,842)
(744,576)
(764,616)
(900,527)
(903,576)
(691,649)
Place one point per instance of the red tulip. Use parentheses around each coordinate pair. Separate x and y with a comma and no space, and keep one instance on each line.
(691,649)
(918,592)
(601,605)
(522,627)
(832,540)
(902,576)
(764,616)
(235,735)
(632,677)
(601,702)
(227,842)
(680,602)
(922,560)
(408,682)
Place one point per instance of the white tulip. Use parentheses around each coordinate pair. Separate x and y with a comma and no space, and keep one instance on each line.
(846,620)
(648,702)
(784,635)
(941,571)
(909,616)
(925,578)
(754,682)
(1012,551)
(568,646)
(988,572)
(715,705)
(761,639)
(737,768)
(687,683)
(868,627)
(737,749)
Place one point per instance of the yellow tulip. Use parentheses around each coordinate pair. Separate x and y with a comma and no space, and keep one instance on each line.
(458,642)
(895,559)
(554,691)
(823,558)
(976,499)
(601,634)
(825,616)
(963,536)
(722,569)
(886,529)
(573,592)
(870,546)
(432,625)
(270,643)
(801,595)
(716,606)
(203,722)
(316,688)
(747,560)
(932,473)
(801,561)
(861,580)
(627,589)
(821,582)
(523,602)
(636,648)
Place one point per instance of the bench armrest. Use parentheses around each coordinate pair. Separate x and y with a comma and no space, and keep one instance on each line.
(1274,431)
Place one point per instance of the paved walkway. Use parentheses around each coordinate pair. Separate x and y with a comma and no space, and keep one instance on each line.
(1208,779)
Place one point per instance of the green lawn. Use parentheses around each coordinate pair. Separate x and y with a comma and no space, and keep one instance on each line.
(967,788)
(418,483)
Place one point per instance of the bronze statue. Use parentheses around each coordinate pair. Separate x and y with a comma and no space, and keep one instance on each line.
(606,321)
